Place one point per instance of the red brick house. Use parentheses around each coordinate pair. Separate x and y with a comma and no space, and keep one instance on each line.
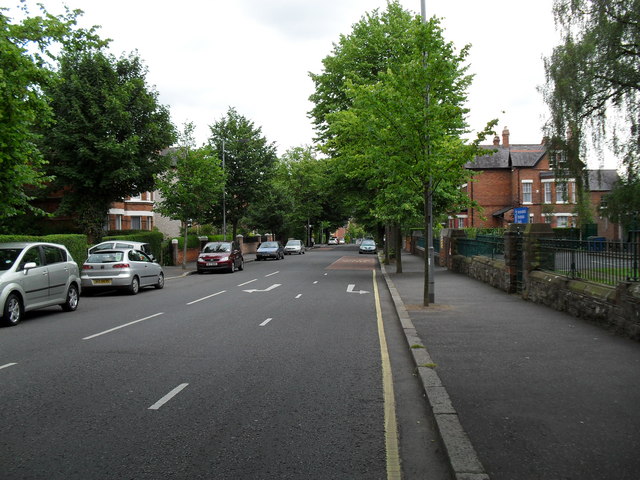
(134,213)
(522,176)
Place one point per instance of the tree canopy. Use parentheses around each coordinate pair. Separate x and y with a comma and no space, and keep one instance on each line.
(249,162)
(25,72)
(108,134)
(593,84)
(397,121)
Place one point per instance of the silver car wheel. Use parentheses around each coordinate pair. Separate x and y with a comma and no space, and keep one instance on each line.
(73,298)
(160,283)
(134,288)
(12,310)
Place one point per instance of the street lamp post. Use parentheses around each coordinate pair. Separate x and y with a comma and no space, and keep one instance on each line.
(224,195)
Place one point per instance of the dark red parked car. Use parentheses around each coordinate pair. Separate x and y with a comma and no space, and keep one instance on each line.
(220,256)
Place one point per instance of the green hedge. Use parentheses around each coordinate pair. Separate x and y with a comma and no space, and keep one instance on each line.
(76,244)
(153,238)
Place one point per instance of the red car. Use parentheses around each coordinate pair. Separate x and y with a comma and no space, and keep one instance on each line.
(220,256)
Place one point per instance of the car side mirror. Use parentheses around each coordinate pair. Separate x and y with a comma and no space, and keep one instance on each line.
(29,266)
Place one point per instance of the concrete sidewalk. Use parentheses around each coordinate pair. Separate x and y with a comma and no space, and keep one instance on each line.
(520,391)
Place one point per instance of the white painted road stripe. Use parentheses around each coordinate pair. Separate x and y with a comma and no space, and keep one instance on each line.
(299,295)
(122,326)
(247,283)
(265,322)
(204,298)
(7,365)
(168,396)
(315,282)
(277,271)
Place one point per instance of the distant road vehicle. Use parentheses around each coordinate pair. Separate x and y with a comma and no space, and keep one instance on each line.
(111,244)
(36,275)
(294,246)
(267,250)
(367,246)
(333,241)
(220,256)
(124,268)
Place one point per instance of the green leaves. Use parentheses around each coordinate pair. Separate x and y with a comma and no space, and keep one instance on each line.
(109,131)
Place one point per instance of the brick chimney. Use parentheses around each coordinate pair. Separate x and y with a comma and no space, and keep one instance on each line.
(505,137)
(496,140)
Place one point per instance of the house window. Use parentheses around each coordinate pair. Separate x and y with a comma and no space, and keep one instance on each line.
(460,222)
(527,188)
(547,192)
(548,219)
(118,222)
(573,191)
(562,221)
(135,223)
(135,198)
(561,192)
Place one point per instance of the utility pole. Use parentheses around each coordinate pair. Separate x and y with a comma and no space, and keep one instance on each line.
(430,290)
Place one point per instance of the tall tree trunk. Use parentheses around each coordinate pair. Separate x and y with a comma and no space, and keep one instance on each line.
(184,247)
(426,192)
(398,248)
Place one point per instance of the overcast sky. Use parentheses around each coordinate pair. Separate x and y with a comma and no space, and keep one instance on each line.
(204,56)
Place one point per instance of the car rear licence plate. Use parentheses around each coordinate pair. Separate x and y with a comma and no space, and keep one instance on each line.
(212,264)
(105,281)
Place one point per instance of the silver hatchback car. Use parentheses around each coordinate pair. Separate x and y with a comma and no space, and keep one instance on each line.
(124,268)
(36,275)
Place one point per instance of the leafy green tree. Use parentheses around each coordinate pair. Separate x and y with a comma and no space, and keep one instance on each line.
(108,136)
(249,162)
(192,185)
(403,131)
(592,77)
(25,53)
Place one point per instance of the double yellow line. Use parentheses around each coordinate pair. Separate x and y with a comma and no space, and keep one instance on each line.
(390,425)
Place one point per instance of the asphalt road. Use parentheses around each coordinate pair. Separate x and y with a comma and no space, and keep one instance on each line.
(272,372)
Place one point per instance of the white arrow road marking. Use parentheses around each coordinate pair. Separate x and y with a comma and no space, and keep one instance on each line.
(350,289)
(275,285)
(168,397)
(265,322)
(204,298)
(7,365)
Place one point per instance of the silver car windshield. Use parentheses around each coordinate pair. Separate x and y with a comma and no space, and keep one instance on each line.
(269,245)
(8,257)
(105,257)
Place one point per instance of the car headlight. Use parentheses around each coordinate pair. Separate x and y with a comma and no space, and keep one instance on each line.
(224,259)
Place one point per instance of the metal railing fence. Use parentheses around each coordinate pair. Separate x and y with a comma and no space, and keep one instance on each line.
(595,260)
(491,246)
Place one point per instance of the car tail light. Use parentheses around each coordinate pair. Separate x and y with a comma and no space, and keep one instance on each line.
(121,265)
(87,267)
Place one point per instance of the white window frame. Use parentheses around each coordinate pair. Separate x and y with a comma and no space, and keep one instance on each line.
(548,192)
(562,192)
(529,183)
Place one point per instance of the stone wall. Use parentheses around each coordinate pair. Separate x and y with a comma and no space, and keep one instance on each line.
(617,309)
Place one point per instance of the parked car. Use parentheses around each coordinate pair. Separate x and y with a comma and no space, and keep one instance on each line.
(111,244)
(333,241)
(273,250)
(36,275)
(294,246)
(367,246)
(220,256)
(124,268)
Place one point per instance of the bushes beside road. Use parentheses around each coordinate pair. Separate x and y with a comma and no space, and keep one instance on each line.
(76,244)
